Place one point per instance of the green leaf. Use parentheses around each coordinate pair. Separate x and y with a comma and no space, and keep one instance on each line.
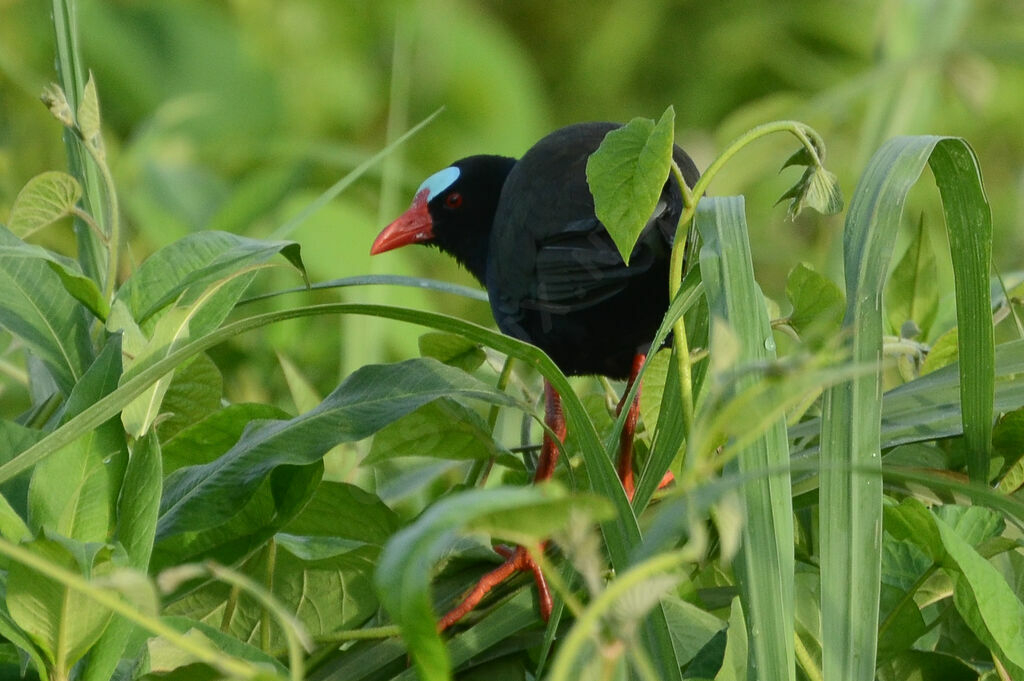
(36,308)
(817,188)
(277,498)
(691,626)
(453,350)
(188,267)
(205,440)
(89,114)
(139,502)
(304,587)
(911,294)
(985,600)
(73,493)
(443,429)
(735,663)
(194,393)
(338,509)
(627,174)
(62,622)
(81,287)
(136,526)
(911,521)
(403,574)
(766,565)
(943,353)
(851,489)
(46,198)
(174,328)
(170,657)
(818,304)
(203,496)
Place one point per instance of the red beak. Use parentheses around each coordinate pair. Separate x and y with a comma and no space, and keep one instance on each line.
(414,226)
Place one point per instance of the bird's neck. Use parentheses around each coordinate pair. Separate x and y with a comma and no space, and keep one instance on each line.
(471,251)
(469,239)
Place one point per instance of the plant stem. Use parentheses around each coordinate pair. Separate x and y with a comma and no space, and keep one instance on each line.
(90,222)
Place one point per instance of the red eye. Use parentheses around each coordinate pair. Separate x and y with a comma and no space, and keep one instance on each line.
(453,200)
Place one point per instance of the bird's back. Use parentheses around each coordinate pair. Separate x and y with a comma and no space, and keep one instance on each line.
(554,276)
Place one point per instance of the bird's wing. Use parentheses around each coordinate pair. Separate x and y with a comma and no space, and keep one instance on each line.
(581,267)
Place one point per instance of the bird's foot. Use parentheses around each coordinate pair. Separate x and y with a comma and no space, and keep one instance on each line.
(516,560)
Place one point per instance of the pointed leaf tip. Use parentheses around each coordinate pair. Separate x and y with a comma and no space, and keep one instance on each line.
(626,175)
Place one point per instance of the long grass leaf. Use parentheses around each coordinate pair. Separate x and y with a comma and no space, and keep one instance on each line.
(766,560)
(851,500)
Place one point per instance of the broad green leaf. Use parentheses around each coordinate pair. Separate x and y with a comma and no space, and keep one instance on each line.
(173,329)
(25,647)
(46,198)
(62,622)
(627,174)
(943,353)
(183,270)
(691,626)
(442,429)
(36,308)
(981,594)
(985,601)
(302,586)
(136,525)
(818,304)
(453,350)
(339,509)
(194,393)
(735,664)
(203,496)
(911,294)
(82,288)
(139,502)
(911,521)
(73,493)
(277,499)
(900,622)
(12,526)
(170,657)
(851,494)
(1008,441)
(403,574)
(766,561)
(208,438)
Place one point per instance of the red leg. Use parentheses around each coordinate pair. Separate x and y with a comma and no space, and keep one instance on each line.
(625,463)
(518,559)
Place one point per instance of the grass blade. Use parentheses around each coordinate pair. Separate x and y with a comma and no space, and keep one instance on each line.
(766,561)
(851,494)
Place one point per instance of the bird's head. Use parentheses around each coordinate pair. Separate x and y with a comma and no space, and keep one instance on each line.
(454,210)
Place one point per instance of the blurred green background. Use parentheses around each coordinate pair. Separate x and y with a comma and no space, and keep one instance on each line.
(235,115)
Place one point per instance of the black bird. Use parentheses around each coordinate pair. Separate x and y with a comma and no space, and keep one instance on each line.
(527,231)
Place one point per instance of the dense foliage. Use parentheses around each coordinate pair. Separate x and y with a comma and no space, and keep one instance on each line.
(180,498)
